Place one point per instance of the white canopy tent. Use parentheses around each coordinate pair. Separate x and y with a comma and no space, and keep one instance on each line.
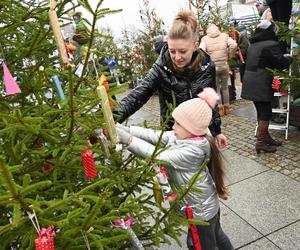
(242,13)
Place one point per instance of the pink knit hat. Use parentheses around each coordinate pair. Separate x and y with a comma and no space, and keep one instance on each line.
(195,115)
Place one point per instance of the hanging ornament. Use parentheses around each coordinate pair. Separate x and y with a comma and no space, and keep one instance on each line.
(108,117)
(79,70)
(45,240)
(47,167)
(157,192)
(166,190)
(57,33)
(104,145)
(133,238)
(10,84)
(104,82)
(58,87)
(193,229)
(89,164)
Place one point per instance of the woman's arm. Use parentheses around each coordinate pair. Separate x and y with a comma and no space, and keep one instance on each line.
(276,58)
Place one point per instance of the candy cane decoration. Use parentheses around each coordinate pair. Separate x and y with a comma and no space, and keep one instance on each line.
(166,190)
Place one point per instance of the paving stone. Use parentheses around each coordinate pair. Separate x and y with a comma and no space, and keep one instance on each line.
(240,167)
(288,237)
(276,168)
(289,167)
(297,170)
(285,172)
(262,244)
(294,176)
(238,231)
(268,201)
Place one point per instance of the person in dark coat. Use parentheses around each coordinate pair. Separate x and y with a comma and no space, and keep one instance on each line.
(263,53)
(281,12)
(182,70)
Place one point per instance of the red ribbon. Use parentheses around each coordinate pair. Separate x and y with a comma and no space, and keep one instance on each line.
(193,228)
(164,172)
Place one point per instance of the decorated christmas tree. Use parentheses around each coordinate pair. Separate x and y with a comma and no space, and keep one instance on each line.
(62,182)
(137,54)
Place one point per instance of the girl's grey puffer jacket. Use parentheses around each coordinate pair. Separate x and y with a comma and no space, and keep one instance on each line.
(184,158)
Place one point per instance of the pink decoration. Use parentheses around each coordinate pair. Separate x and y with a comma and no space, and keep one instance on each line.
(10,84)
(210,96)
(46,238)
(125,224)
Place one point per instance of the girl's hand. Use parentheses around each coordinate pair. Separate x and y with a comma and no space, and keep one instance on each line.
(222,141)
(124,137)
(121,126)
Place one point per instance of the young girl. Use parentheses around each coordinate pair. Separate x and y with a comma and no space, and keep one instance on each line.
(189,145)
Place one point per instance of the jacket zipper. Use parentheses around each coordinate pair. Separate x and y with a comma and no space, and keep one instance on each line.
(190,91)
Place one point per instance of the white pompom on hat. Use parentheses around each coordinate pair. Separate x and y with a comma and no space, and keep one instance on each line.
(195,115)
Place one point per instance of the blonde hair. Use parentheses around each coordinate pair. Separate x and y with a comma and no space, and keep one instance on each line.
(184,26)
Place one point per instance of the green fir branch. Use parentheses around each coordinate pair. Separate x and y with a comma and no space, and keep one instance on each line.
(71,105)
(11,185)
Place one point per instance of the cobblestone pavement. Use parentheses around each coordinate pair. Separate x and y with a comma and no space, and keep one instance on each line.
(240,133)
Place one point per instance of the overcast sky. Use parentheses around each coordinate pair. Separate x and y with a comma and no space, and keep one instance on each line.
(130,18)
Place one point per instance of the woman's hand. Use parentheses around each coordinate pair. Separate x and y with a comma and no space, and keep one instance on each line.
(222,141)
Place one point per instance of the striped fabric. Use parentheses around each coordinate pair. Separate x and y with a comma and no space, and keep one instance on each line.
(247,19)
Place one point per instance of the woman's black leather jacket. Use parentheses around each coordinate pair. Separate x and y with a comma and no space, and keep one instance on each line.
(169,85)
